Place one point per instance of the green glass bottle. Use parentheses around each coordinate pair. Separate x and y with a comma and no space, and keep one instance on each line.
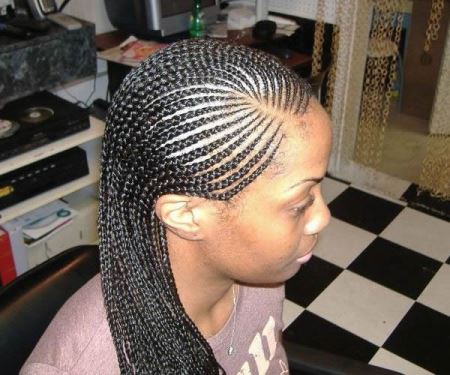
(196,27)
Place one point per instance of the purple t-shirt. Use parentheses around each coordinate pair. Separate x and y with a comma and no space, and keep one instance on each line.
(78,340)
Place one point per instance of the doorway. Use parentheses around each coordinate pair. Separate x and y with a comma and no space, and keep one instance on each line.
(408,124)
(405,51)
(354,45)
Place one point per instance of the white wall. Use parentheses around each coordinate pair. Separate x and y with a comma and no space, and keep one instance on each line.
(92,11)
(81,90)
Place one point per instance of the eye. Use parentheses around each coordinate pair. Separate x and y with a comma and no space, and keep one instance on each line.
(300,210)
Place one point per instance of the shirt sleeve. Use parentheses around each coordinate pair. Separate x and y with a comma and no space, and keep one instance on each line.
(41,369)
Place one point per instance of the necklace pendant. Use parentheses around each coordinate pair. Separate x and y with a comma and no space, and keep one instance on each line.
(230,350)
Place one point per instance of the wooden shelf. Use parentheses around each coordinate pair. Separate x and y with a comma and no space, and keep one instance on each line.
(89,140)
(96,130)
(51,195)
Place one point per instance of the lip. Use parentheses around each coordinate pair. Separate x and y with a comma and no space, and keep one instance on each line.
(305,258)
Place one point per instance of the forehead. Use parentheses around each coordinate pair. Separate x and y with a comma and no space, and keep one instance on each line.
(303,154)
(306,144)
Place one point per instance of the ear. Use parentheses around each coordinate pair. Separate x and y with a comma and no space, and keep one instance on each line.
(180,214)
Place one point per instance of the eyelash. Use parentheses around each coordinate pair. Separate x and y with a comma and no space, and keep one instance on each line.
(298,211)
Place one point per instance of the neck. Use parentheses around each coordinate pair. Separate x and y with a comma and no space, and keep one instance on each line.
(206,296)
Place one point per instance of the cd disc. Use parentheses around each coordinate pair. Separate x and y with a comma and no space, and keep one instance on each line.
(36,115)
(8,128)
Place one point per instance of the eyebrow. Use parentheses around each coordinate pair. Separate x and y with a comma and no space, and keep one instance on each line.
(317,180)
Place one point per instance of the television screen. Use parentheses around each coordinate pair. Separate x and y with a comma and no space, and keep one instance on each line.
(170,8)
(156,18)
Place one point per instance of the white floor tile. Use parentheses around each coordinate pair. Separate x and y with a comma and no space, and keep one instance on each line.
(386,359)
(332,188)
(379,183)
(420,232)
(437,293)
(394,198)
(340,243)
(361,306)
(290,312)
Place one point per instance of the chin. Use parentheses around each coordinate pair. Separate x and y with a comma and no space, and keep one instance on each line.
(295,270)
(291,270)
(277,276)
(281,277)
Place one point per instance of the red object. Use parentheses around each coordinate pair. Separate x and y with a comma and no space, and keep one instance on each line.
(7,267)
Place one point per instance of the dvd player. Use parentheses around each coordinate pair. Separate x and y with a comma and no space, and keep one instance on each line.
(43,175)
(37,120)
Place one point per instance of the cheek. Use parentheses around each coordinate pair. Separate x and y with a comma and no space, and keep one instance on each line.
(293,238)
(293,226)
(282,237)
(269,233)
(261,254)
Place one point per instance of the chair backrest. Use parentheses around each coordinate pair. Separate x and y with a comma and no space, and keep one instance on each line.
(317,84)
(29,303)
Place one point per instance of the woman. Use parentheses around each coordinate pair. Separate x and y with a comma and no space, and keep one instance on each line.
(210,199)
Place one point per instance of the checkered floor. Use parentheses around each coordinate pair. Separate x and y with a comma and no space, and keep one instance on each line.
(378,287)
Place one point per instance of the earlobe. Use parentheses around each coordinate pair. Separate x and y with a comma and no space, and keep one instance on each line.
(178,214)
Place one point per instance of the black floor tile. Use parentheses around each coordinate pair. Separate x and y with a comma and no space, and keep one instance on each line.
(395,267)
(423,201)
(423,338)
(364,210)
(310,281)
(313,331)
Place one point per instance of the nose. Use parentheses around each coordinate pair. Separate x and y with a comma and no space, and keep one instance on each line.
(319,216)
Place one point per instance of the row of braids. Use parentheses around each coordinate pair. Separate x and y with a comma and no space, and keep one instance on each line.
(189,120)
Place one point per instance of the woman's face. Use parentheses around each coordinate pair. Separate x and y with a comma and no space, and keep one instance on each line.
(270,231)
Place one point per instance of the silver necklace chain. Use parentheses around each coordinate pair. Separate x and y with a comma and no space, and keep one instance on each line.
(230,347)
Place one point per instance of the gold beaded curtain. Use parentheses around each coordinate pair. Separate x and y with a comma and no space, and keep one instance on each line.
(380,75)
(319,33)
(435,173)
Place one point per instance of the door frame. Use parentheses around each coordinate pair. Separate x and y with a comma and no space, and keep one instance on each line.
(355,26)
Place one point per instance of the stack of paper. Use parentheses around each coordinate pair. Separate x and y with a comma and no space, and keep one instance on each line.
(132,51)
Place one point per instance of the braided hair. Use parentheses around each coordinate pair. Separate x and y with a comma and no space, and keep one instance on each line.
(189,120)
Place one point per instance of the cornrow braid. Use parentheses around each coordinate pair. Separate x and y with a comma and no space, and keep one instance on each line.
(192,119)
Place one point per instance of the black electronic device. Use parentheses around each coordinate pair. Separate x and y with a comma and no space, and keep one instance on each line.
(264,30)
(43,175)
(99,109)
(14,31)
(282,53)
(27,19)
(37,120)
(157,18)
(31,24)
(40,8)
(6,8)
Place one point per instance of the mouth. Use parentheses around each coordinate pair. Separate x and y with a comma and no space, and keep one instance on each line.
(305,258)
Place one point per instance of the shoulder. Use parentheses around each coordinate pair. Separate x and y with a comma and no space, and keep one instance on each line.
(78,332)
(83,313)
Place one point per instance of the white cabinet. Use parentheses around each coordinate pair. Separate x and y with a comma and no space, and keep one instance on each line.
(81,194)
(89,139)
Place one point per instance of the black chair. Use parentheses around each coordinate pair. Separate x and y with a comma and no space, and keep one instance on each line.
(318,84)
(29,303)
